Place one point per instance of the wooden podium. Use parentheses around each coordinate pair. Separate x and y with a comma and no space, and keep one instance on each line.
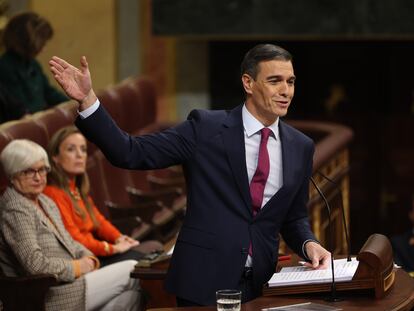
(375,271)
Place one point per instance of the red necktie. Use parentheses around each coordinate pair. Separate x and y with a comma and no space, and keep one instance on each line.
(258,183)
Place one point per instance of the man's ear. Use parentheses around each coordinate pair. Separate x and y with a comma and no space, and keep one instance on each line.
(247,83)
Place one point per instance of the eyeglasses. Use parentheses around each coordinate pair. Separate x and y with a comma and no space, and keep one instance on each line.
(30,172)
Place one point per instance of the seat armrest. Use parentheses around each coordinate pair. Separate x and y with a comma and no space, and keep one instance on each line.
(166,195)
(158,182)
(144,211)
(26,292)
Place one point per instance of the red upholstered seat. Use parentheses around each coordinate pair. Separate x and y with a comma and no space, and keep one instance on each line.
(152,209)
(131,103)
(111,100)
(26,129)
(98,191)
(52,120)
(130,225)
(69,108)
(148,98)
(70,111)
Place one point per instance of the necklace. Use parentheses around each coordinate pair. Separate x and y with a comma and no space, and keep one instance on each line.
(75,194)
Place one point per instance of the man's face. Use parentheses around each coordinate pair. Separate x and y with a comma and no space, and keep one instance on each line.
(270,94)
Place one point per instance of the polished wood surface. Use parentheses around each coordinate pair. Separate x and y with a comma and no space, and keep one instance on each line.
(400,297)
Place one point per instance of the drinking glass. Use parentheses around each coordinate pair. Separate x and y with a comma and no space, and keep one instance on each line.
(228,300)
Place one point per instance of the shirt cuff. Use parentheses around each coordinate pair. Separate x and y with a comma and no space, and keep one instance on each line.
(304,250)
(90,110)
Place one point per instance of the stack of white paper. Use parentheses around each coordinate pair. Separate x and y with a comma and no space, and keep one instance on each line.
(344,271)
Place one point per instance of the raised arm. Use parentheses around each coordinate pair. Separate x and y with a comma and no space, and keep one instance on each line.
(76,83)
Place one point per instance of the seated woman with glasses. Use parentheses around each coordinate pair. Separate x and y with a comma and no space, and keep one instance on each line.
(69,188)
(33,240)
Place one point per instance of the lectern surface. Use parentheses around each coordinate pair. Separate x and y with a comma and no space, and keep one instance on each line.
(399,297)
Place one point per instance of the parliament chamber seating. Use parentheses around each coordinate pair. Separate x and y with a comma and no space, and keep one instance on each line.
(25,128)
(52,120)
(126,197)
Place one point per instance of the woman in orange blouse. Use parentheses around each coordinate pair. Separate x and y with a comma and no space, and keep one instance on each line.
(69,188)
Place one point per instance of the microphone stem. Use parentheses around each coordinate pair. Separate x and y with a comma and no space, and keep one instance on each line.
(333,285)
(343,213)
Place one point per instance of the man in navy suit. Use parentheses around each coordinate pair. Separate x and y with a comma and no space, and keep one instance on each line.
(224,242)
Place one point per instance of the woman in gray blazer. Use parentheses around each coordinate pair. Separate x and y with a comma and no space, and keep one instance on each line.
(33,240)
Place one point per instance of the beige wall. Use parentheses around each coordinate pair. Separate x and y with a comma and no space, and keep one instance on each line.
(82,28)
(116,37)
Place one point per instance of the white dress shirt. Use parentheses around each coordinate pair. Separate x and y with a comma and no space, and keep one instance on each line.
(252,137)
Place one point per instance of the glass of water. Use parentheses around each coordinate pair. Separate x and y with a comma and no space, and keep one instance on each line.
(228,300)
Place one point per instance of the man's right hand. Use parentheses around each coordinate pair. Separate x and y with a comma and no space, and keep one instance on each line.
(76,83)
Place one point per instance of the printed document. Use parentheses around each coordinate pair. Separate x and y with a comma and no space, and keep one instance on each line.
(344,271)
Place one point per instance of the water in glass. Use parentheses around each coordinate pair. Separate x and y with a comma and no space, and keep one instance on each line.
(227,304)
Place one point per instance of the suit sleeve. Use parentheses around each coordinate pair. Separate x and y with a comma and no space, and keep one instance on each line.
(20,234)
(296,227)
(159,150)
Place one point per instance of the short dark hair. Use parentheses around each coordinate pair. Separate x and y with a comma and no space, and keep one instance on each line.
(260,53)
(26,34)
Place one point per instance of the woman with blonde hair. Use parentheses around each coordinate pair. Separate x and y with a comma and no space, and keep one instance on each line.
(33,240)
(69,188)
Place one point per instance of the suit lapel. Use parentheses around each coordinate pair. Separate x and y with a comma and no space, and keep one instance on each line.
(287,154)
(47,219)
(233,140)
(51,223)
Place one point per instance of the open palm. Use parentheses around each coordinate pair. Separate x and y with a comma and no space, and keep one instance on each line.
(75,82)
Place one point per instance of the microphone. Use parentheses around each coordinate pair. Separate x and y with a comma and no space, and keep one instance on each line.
(337,187)
(333,297)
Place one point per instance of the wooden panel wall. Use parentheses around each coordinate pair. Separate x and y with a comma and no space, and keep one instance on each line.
(82,28)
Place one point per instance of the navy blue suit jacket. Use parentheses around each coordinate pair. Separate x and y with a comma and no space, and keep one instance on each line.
(212,246)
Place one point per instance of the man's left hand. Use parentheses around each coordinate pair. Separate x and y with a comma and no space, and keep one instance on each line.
(320,258)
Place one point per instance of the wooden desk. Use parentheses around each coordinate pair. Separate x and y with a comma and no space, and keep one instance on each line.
(152,284)
(400,297)
(152,281)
